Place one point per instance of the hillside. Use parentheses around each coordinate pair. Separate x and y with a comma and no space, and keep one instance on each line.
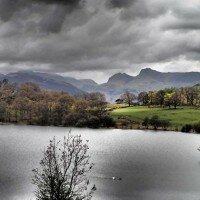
(44,80)
(146,80)
(177,117)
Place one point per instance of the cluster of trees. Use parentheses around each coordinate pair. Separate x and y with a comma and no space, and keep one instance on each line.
(155,122)
(168,97)
(127,98)
(189,96)
(28,104)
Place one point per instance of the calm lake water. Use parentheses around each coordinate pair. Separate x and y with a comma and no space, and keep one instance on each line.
(153,165)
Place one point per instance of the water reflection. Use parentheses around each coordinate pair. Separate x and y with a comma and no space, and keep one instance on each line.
(152,165)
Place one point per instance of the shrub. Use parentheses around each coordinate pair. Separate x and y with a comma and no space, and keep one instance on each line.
(197,127)
(107,121)
(187,128)
(146,122)
(154,121)
(124,123)
(81,123)
(94,122)
(2,111)
(71,119)
(164,123)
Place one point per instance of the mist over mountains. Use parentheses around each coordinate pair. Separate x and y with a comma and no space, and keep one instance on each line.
(146,80)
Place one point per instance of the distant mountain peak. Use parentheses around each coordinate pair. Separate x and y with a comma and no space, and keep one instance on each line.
(148,71)
(122,77)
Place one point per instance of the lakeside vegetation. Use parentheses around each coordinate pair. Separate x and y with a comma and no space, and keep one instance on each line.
(170,109)
(29,104)
(177,117)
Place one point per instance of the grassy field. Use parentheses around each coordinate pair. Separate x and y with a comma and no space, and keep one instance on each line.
(178,117)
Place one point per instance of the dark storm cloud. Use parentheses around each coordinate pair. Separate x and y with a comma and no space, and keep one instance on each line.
(51,21)
(98,35)
(9,7)
(183,25)
(120,3)
(71,3)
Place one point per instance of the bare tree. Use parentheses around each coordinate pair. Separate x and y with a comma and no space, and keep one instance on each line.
(128,98)
(63,172)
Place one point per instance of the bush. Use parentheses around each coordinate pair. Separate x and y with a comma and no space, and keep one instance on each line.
(2,111)
(146,122)
(81,123)
(94,122)
(154,121)
(164,124)
(71,119)
(107,121)
(124,122)
(187,128)
(197,127)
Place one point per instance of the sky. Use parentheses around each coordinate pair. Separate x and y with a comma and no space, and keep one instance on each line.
(98,38)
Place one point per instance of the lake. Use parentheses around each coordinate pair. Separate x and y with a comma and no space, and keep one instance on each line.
(152,165)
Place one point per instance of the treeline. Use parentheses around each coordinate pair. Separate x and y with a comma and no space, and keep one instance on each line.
(156,123)
(29,104)
(172,97)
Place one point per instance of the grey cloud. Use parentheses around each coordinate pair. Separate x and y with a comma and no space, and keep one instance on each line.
(53,21)
(58,16)
(183,25)
(71,3)
(143,10)
(186,11)
(50,37)
(185,18)
(119,3)
(9,7)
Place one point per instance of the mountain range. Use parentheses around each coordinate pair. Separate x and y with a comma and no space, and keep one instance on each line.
(146,80)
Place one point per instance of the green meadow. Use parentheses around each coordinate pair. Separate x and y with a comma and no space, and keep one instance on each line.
(177,117)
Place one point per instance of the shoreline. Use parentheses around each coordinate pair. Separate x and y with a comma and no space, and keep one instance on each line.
(150,128)
(140,127)
(183,119)
(117,127)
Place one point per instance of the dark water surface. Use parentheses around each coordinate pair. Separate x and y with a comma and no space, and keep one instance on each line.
(153,165)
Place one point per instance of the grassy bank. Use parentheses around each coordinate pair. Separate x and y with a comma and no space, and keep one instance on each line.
(177,117)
